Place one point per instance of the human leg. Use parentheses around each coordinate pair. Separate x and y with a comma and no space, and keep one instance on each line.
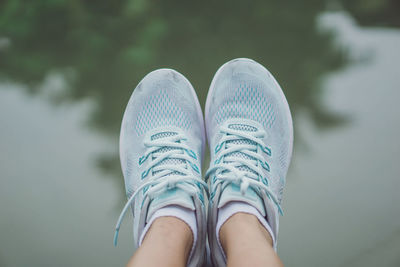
(246,242)
(167,243)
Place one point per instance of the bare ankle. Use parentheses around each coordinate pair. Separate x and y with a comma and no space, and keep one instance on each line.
(171,230)
(241,227)
(243,234)
(245,222)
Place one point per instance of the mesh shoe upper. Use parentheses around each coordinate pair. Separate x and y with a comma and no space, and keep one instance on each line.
(243,89)
(165,100)
(247,113)
(162,109)
(161,150)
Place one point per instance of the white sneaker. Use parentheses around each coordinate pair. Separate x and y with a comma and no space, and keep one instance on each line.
(250,132)
(161,151)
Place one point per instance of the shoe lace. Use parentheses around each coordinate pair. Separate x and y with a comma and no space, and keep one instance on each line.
(240,161)
(171,161)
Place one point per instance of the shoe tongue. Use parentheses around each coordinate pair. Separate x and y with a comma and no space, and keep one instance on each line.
(231,157)
(173,196)
(173,161)
(232,193)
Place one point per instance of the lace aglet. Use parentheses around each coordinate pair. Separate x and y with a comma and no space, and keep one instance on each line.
(116,237)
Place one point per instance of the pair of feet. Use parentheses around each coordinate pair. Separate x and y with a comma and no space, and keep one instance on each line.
(162,144)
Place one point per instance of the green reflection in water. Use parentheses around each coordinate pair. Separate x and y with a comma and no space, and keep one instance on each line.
(106,47)
(374,12)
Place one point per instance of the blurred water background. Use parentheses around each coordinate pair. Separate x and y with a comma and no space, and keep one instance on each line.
(67,69)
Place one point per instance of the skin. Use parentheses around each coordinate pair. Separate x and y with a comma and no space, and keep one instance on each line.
(247,243)
(244,240)
(167,243)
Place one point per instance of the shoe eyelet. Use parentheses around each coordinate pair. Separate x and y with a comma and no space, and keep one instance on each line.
(265,165)
(264,180)
(145,189)
(267,150)
(144,174)
(195,168)
(142,159)
(218,148)
(191,153)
